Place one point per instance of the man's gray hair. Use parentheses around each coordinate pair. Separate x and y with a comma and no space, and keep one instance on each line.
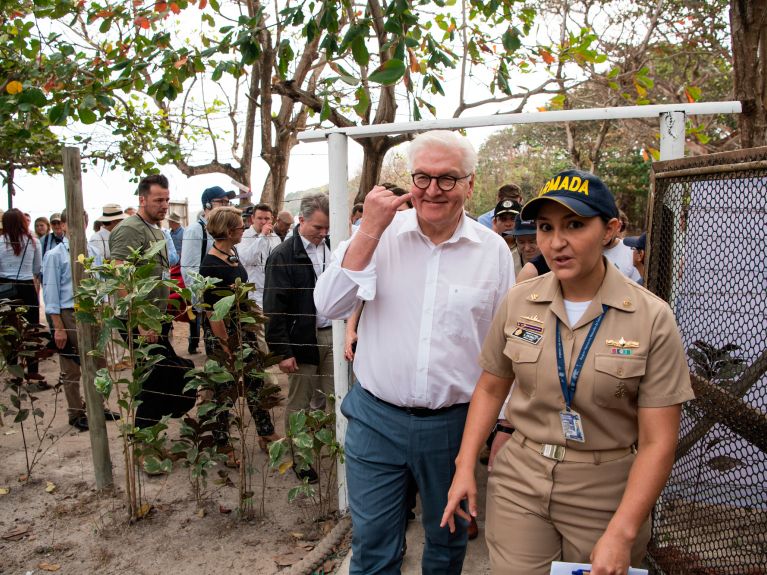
(444,139)
(310,203)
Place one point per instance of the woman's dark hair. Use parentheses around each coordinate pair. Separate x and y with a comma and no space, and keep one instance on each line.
(15,229)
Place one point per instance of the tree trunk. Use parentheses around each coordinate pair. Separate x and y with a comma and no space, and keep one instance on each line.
(278,160)
(9,181)
(372,163)
(748,25)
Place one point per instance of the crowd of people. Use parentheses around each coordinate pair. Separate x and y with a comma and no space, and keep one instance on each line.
(523,332)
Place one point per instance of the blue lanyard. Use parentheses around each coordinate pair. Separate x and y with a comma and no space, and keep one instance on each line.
(568,390)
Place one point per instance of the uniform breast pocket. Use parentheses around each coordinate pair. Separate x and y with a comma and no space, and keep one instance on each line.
(467,308)
(617,379)
(525,358)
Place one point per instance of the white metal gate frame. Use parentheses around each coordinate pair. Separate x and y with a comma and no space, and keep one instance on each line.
(672,138)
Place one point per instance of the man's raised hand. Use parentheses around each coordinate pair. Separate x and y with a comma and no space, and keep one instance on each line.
(379,209)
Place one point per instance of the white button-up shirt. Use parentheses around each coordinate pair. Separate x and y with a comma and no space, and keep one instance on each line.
(428,308)
(99,243)
(254,249)
(320,256)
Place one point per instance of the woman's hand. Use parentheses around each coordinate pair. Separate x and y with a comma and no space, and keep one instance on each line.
(611,555)
(464,486)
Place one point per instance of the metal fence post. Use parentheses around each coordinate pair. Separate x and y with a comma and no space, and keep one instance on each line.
(338,160)
(86,334)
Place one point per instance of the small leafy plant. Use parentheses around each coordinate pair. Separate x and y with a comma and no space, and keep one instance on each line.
(20,342)
(310,442)
(717,364)
(119,300)
(223,380)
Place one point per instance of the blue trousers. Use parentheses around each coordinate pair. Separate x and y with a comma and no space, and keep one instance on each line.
(385,447)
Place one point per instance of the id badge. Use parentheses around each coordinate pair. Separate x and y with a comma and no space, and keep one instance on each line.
(572,426)
(165,274)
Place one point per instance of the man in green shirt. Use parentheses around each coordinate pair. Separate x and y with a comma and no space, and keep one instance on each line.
(141,231)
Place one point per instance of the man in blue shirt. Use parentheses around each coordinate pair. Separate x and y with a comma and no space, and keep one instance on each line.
(507,192)
(59,305)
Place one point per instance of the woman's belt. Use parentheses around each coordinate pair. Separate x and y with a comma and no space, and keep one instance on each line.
(562,453)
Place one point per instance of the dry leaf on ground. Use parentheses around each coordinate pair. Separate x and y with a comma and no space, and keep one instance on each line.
(144,510)
(16,533)
(49,566)
(5,490)
(287,559)
(50,487)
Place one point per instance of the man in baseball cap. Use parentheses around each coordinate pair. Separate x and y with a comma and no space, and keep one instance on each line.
(56,236)
(638,245)
(503,216)
(525,234)
(216,196)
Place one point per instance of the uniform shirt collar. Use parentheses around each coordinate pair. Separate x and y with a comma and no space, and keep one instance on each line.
(614,292)
(464,229)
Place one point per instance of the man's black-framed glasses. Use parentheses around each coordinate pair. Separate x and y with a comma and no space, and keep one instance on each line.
(444,183)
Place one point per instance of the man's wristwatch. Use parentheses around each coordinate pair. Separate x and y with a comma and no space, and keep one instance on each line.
(504,428)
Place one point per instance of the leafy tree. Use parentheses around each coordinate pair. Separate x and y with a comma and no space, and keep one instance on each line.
(645,52)
(381,55)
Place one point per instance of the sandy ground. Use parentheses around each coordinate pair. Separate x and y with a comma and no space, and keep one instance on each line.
(57,522)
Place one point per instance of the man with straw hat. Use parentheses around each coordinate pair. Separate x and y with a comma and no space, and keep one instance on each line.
(111,215)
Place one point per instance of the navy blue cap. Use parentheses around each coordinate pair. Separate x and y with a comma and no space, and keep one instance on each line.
(580,192)
(636,242)
(216,193)
(524,227)
(507,207)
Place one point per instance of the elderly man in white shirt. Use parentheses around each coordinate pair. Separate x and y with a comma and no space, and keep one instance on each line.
(257,243)
(111,215)
(431,279)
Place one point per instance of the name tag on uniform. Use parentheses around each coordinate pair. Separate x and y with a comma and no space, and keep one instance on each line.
(526,335)
(572,426)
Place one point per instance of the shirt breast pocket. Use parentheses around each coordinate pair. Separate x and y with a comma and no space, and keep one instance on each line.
(467,308)
(616,379)
(525,360)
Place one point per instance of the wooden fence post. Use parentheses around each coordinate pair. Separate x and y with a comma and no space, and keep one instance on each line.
(86,334)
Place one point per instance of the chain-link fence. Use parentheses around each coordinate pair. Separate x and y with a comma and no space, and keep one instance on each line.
(708,252)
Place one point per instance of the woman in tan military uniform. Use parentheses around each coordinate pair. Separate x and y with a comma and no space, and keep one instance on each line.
(599,375)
